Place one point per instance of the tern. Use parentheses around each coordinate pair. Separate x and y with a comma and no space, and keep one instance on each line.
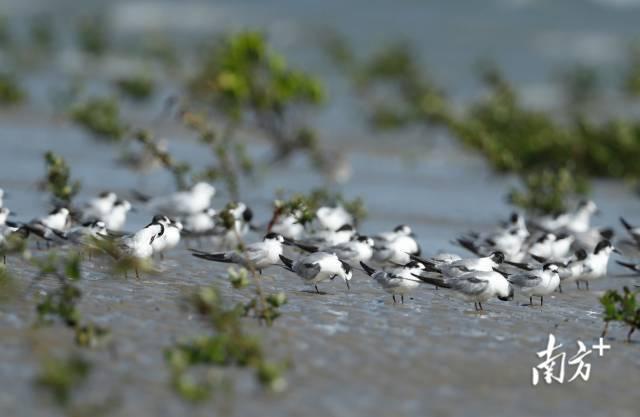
(181,203)
(539,282)
(317,267)
(258,255)
(400,280)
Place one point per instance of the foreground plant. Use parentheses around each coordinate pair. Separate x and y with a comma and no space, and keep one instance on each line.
(623,307)
(136,87)
(230,345)
(60,376)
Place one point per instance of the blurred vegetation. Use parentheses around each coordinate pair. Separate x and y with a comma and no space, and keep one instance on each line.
(60,376)
(244,81)
(58,180)
(139,87)
(11,93)
(559,150)
(624,308)
(228,345)
(92,35)
(100,117)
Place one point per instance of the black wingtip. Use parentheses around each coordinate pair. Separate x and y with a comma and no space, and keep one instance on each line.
(540,259)
(625,223)
(468,245)
(215,257)
(628,265)
(504,274)
(306,248)
(286,261)
(367,268)
(433,281)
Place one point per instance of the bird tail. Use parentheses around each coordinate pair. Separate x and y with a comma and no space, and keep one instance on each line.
(215,257)
(625,224)
(286,261)
(468,245)
(367,268)
(629,265)
(434,281)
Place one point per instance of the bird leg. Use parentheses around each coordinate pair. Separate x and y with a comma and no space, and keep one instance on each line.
(137,274)
(633,329)
(317,290)
(394,298)
(480,305)
(475,305)
(531,300)
(578,284)
(402,298)
(4,259)
(587,284)
(541,300)
(560,288)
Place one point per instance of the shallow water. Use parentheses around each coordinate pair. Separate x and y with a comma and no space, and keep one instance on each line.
(353,353)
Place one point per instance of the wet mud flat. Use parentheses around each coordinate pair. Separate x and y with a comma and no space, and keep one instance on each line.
(353,352)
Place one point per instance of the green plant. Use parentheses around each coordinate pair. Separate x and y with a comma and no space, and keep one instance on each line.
(10,91)
(137,87)
(548,190)
(623,307)
(100,117)
(92,36)
(58,179)
(61,376)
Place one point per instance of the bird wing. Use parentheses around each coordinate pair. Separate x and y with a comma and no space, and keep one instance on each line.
(470,285)
(525,280)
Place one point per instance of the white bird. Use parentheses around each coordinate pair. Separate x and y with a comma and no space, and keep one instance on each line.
(181,203)
(333,218)
(358,249)
(477,286)
(575,221)
(139,244)
(327,238)
(595,265)
(97,208)
(317,267)
(400,280)
(288,226)
(224,237)
(57,219)
(396,247)
(258,255)
(199,223)
(117,217)
(171,236)
(539,282)
(83,234)
(464,266)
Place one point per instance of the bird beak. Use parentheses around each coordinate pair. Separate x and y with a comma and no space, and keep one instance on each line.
(12,214)
(617,251)
(348,285)
(288,241)
(133,209)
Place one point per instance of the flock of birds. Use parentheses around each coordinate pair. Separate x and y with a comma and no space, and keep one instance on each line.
(535,256)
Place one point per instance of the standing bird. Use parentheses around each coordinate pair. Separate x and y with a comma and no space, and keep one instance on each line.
(139,244)
(595,264)
(116,218)
(181,203)
(333,218)
(170,237)
(400,280)
(358,249)
(258,255)
(477,286)
(97,208)
(318,267)
(396,247)
(539,282)
(464,266)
